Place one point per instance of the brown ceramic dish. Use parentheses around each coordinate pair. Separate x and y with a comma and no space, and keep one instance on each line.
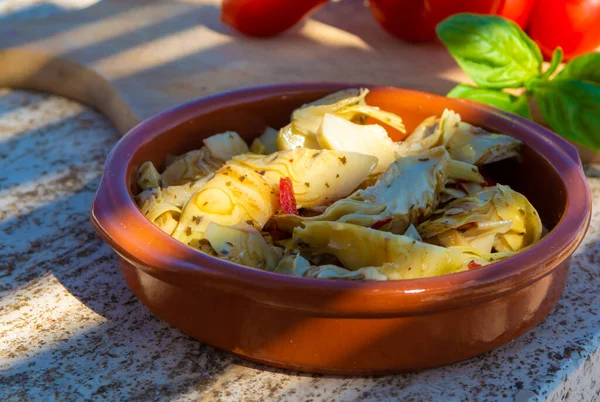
(342,327)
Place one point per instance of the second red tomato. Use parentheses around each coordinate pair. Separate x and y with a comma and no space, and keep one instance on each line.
(573,25)
(415,20)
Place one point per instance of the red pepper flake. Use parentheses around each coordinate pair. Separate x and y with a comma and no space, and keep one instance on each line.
(381,223)
(286,196)
(291,160)
(474,265)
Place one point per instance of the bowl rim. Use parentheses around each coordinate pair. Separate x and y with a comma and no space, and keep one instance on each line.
(118,220)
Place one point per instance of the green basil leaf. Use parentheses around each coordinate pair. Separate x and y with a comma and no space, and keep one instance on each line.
(493,97)
(557,57)
(584,68)
(492,50)
(572,108)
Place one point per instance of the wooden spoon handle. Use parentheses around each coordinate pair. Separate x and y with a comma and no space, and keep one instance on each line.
(30,69)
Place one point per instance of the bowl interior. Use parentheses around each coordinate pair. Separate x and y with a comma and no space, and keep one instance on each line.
(533,175)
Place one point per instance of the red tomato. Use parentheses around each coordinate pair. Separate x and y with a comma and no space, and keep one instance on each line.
(265,17)
(517,10)
(573,25)
(415,20)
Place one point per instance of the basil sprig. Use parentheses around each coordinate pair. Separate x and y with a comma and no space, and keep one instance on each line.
(497,54)
(502,100)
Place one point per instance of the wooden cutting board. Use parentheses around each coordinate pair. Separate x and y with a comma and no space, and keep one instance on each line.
(131,59)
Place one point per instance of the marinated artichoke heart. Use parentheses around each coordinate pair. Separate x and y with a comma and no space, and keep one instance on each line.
(319,176)
(148,177)
(406,193)
(242,244)
(370,139)
(162,206)
(478,147)
(463,141)
(162,214)
(235,195)
(295,264)
(266,143)
(495,219)
(393,256)
(348,104)
(197,164)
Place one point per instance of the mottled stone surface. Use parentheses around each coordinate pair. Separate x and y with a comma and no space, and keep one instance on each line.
(70,329)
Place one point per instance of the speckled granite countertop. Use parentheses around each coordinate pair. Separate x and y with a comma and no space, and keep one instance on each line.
(70,329)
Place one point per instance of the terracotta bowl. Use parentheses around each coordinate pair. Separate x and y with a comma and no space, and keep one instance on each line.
(342,327)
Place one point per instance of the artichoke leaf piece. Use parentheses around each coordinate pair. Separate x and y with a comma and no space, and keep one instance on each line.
(242,244)
(474,258)
(226,145)
(432,132)
(496,217)
(161,213)
(465,142)
(174,195)
(394,256)
(191,166)
(319,177)
(330,271)
(526,228)
(412,233)
(257,147)
(296,265)
(148,177)
(199,163)
(235,195)
(292,264)
(460,212)
(266,143)
(372,139)
(476,146)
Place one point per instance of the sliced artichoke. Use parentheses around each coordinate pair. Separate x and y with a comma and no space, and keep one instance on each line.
(496,218)
(476,146)
(266,143)
(526,228)
(199,163)
(296,265)
(405,194)
(176,195)
(372,139)
(148,177)
(394,256)
(478,208)
(319,177)
(432,132)
(293,264)
(161,213)
(348,104)
(226,145)
(191,166)
(473,258)
(235,195)
(242,244)
(464,141)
